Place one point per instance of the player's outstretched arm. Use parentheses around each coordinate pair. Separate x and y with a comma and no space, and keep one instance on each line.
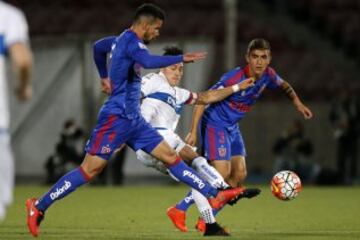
(149,61)
(291,94)
(217,95)
(194,56)
(192,135)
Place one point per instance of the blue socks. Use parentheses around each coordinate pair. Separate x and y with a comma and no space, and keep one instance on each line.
(190,177)
(67,184)
(186,202)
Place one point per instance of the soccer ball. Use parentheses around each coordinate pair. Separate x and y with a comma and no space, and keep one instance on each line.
(285,185)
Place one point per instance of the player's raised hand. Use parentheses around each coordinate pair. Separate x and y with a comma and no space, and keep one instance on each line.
(106,86)
(249,82)
(191,139)
(306,112)
(193,56)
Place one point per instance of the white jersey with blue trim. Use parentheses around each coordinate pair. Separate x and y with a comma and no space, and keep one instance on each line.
(162,103)
(13,29)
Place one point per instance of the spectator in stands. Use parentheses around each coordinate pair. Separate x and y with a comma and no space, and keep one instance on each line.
(68,151)
(293,152)
(345,119)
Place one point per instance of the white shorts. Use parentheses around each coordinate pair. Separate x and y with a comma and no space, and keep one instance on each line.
(172,139)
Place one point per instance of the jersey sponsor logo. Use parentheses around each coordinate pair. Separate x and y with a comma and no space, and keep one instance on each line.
(61,190)
(195,179)
(242,107)
(105,149)
(168,99)
(209,173)
(142,46)
(222,151)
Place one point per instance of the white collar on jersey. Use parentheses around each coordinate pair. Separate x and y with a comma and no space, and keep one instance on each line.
(162,75)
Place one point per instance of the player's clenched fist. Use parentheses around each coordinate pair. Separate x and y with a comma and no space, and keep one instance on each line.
(106,86)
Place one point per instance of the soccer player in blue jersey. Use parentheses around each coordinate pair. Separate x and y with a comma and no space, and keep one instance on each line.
(120,121)
(222,143)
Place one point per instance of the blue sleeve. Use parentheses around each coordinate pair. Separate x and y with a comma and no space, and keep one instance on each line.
(100,50)
(140,54)
(217,85)
(275,79)
(221,83)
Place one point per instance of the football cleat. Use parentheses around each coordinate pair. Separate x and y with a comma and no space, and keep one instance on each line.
(200,225)
(224,197)
(215,229)
(34,217)
(178,218)
(247,193)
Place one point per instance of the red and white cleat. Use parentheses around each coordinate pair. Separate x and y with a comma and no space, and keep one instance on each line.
(224,197)
(34,217)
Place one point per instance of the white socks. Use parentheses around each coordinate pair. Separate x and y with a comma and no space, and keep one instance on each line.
(204,207)
(209,173)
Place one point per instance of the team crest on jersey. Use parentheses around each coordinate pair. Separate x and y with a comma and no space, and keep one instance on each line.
(222,151)
(105,149)
(142,46)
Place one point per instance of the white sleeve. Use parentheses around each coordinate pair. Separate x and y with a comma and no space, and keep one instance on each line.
(149,84)
(185,96)
(16,28)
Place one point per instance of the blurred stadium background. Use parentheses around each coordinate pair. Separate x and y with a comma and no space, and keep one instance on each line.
(315,46)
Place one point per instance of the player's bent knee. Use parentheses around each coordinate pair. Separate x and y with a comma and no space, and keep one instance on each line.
(169,157)
(240,175)
(93,165)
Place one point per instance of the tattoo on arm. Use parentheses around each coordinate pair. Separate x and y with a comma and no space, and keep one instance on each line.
(290,92)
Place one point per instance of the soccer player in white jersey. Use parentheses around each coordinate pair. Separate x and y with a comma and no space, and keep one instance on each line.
(13,43)
(161,107)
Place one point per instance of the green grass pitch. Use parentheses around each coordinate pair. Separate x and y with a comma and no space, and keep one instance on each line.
(138,212)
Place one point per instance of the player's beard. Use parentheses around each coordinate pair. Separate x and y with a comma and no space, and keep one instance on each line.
(147,39)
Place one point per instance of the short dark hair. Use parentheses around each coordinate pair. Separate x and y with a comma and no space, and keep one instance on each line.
(258,44)
(172,51)
(149,10)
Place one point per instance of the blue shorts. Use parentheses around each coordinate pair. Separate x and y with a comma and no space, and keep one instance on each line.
(221,143)
(112,131)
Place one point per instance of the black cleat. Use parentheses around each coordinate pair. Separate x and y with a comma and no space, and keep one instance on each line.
(214,229)
(247,193)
